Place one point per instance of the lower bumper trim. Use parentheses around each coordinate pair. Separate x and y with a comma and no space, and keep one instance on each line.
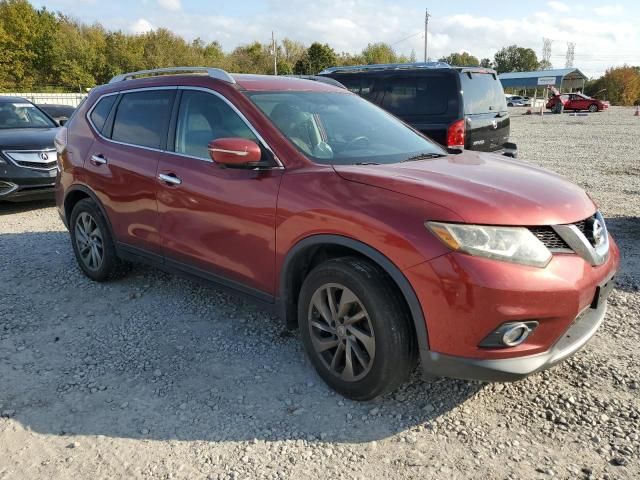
(511,369)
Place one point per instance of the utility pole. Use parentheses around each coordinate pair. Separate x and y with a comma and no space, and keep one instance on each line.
(275,53)
(426,31)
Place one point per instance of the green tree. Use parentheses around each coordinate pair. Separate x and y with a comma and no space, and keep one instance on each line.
(463,59)
(486,63)
(621,85)
(317,58)
(379,52)
(515,59)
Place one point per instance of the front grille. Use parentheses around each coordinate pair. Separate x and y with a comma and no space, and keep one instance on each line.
(33,159)
(37,166)
(552,240)
(549,238)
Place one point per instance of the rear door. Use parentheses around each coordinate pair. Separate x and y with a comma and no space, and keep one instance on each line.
(122,162)
(428,101)
(487,121)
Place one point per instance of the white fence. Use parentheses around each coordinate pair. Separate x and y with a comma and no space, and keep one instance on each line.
(72,99)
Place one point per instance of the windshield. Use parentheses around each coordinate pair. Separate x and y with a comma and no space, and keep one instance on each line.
(342,129)
(23,115)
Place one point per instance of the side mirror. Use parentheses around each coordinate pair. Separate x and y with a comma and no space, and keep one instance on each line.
(62,121)
(234,151)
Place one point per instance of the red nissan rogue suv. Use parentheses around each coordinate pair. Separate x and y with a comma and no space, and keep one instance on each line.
(382,247)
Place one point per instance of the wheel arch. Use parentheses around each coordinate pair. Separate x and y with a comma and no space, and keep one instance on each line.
(77,193)
(299,262)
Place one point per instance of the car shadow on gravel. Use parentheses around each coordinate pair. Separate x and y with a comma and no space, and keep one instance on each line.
(8,208)
(159,357)
(626,231)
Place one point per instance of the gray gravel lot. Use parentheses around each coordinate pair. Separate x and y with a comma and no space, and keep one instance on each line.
(153,376)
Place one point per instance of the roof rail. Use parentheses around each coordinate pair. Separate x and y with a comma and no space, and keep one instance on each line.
(384,66)
(216,73)
(316,78)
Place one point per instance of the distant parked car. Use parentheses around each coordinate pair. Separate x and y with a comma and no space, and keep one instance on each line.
(28,159)
(518,101)
(60,113)
(429,97)
(575,102)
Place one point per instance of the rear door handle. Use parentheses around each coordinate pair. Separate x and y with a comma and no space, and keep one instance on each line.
(170,178)
(98,160)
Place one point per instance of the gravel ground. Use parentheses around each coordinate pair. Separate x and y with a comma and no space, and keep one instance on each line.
(154,376)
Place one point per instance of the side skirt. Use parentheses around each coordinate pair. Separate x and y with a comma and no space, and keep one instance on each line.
(258,297)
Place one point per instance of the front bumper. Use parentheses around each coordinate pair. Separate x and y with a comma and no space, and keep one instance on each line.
(510,369)
(21,184)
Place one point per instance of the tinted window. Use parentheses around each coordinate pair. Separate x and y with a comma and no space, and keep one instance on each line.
(204,117)
(101,111)
(142,118)
(482,93)
(342,129)
(424,95)
(362,86)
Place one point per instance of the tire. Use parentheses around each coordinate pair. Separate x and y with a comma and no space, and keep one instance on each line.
(92,243)
(593,108)
(509,104)
(380,342)
(558,108)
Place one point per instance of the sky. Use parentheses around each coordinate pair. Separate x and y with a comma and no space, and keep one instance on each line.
(605,34)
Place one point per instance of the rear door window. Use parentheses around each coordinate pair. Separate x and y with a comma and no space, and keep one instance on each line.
(142,118)
(482,93)
(419,95)
(101,111)
(363,86)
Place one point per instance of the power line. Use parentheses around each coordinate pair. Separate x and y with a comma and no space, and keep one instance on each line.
(408,37)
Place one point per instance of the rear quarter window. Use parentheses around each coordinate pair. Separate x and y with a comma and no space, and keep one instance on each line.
(482,93)
(101,111)
(419,95)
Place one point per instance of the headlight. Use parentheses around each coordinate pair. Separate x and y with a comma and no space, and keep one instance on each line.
(511,244)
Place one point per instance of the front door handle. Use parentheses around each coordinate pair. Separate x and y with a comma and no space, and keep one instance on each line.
(170,178)
(98,160)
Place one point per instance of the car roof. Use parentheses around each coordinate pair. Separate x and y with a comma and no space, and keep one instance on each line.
(12,99)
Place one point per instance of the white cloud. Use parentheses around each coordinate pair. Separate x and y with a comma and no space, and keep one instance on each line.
(171,5)
(141,25)
(609,10)
(558,6)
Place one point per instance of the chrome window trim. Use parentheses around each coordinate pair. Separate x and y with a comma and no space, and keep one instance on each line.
(279,166)
(6,154)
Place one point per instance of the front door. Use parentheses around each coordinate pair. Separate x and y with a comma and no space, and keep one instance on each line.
(218,221)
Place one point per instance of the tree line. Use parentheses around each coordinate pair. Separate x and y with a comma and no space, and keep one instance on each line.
(41,49)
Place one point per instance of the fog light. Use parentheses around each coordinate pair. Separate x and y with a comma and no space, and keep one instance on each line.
(510,334)
(515,335)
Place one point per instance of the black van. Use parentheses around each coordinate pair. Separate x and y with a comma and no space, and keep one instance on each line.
(459,107)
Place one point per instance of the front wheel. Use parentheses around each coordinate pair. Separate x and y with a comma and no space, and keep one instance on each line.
(593,108)
(354,328)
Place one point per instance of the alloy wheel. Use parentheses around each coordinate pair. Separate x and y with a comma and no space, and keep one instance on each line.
(341,332)
(89,241)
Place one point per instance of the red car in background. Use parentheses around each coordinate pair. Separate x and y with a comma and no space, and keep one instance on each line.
(576,102)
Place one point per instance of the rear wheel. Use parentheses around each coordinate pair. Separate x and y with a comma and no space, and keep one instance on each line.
(92,243)
(355,329)
(593,108)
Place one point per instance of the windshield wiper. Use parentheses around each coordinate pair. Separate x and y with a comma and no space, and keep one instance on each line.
(424,156)
(366,163)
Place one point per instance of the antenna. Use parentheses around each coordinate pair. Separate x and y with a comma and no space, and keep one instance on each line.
(571,46)
(546,53)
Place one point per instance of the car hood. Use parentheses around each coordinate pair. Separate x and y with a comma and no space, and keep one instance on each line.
(27,138)
(482,188)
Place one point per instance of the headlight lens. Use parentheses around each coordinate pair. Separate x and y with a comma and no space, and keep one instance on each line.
(510,244)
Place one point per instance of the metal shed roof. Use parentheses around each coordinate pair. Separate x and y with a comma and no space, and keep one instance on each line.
(531,79)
